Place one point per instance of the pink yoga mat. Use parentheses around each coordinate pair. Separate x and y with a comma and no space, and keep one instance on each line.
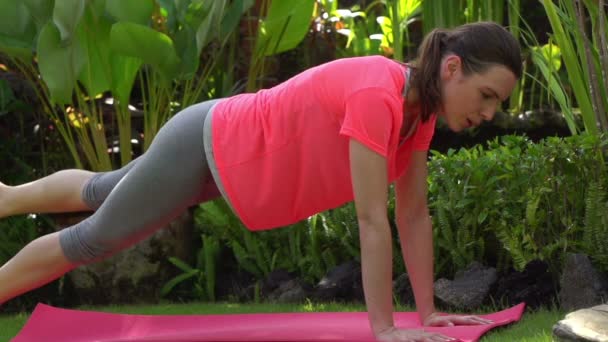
(51,324)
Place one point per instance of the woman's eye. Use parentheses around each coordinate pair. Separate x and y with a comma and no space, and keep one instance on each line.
(485,96)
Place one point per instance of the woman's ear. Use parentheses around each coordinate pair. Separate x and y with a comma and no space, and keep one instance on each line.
(450,66)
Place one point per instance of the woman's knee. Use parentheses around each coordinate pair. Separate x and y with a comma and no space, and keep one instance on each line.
(82,248)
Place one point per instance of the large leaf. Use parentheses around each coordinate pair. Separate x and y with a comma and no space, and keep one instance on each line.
(94,33)
(105,69)
(41,10)
(409,8)
(285,25)
(124,72)
(14,18)
(59,63)
(15,48)
(67,15)
(17,30)
(142,42)
(210,25)
(186,47)
(135,11)
(232,17)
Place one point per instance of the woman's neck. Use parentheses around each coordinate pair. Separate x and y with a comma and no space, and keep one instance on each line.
(411,98)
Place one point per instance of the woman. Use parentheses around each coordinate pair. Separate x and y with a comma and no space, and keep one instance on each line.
(338,132)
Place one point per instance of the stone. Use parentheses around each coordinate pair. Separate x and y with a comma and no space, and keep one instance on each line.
(469,288)
(134,275)
(534,285)
(342,283)
(402,288)
(274,280)
(584,325)
(582,286)
(291,291)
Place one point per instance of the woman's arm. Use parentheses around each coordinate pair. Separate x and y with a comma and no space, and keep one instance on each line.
(370,187)
(415,231)
(416,234)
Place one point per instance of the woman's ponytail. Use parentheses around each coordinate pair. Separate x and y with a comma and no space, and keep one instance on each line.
(425,77)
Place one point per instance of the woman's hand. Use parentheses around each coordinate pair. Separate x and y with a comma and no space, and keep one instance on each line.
(394,334)
(437,320)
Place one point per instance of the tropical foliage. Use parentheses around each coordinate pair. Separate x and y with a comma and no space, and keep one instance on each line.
(109,73)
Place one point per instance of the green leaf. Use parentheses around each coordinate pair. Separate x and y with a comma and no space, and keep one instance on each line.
(17,30)
(15,48)
(185,45)
(14,18)
(41,10)
(409,8)
(285,25)
(142,42)
(555,87)
(210,25)
(482,217)
(552,55)
(135,11)
(181,265)
(7,97)
(244,260)
(59,64)
(175,281)
(95,37)
(124,72)
(573,65)
(67,15)
(105,69)
(232,17)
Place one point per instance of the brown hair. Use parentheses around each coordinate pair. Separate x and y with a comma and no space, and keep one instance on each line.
(479,45)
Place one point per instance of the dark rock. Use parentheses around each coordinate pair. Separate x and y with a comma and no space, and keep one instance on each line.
(584,325)
(402,288)
(234,286)
(136,274)
(582,286)
(274,280)
(469,288)
(291,291)
(342,283)
(534,285)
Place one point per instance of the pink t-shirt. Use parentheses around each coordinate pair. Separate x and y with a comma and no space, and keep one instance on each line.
(282,153)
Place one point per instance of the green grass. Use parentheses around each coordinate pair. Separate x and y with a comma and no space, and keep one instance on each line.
(535,326)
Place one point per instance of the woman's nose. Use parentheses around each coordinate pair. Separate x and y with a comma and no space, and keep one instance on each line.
(488,112)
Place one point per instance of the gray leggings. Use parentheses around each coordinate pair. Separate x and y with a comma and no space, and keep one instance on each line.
(133,202)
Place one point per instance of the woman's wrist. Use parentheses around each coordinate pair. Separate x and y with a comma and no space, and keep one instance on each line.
(383,330)
(379,326)
(430,317)
(426,314)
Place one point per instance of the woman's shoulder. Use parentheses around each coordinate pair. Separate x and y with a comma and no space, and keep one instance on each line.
(369,61)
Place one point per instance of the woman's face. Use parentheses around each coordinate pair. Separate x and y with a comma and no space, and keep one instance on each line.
(467,100)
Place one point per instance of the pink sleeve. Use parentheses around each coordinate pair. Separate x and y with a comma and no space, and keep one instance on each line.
(370,118)
(424,134)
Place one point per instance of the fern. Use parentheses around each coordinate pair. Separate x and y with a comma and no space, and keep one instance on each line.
(595,233)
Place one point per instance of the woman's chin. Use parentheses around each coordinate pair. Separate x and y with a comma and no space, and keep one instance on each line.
(455,127)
